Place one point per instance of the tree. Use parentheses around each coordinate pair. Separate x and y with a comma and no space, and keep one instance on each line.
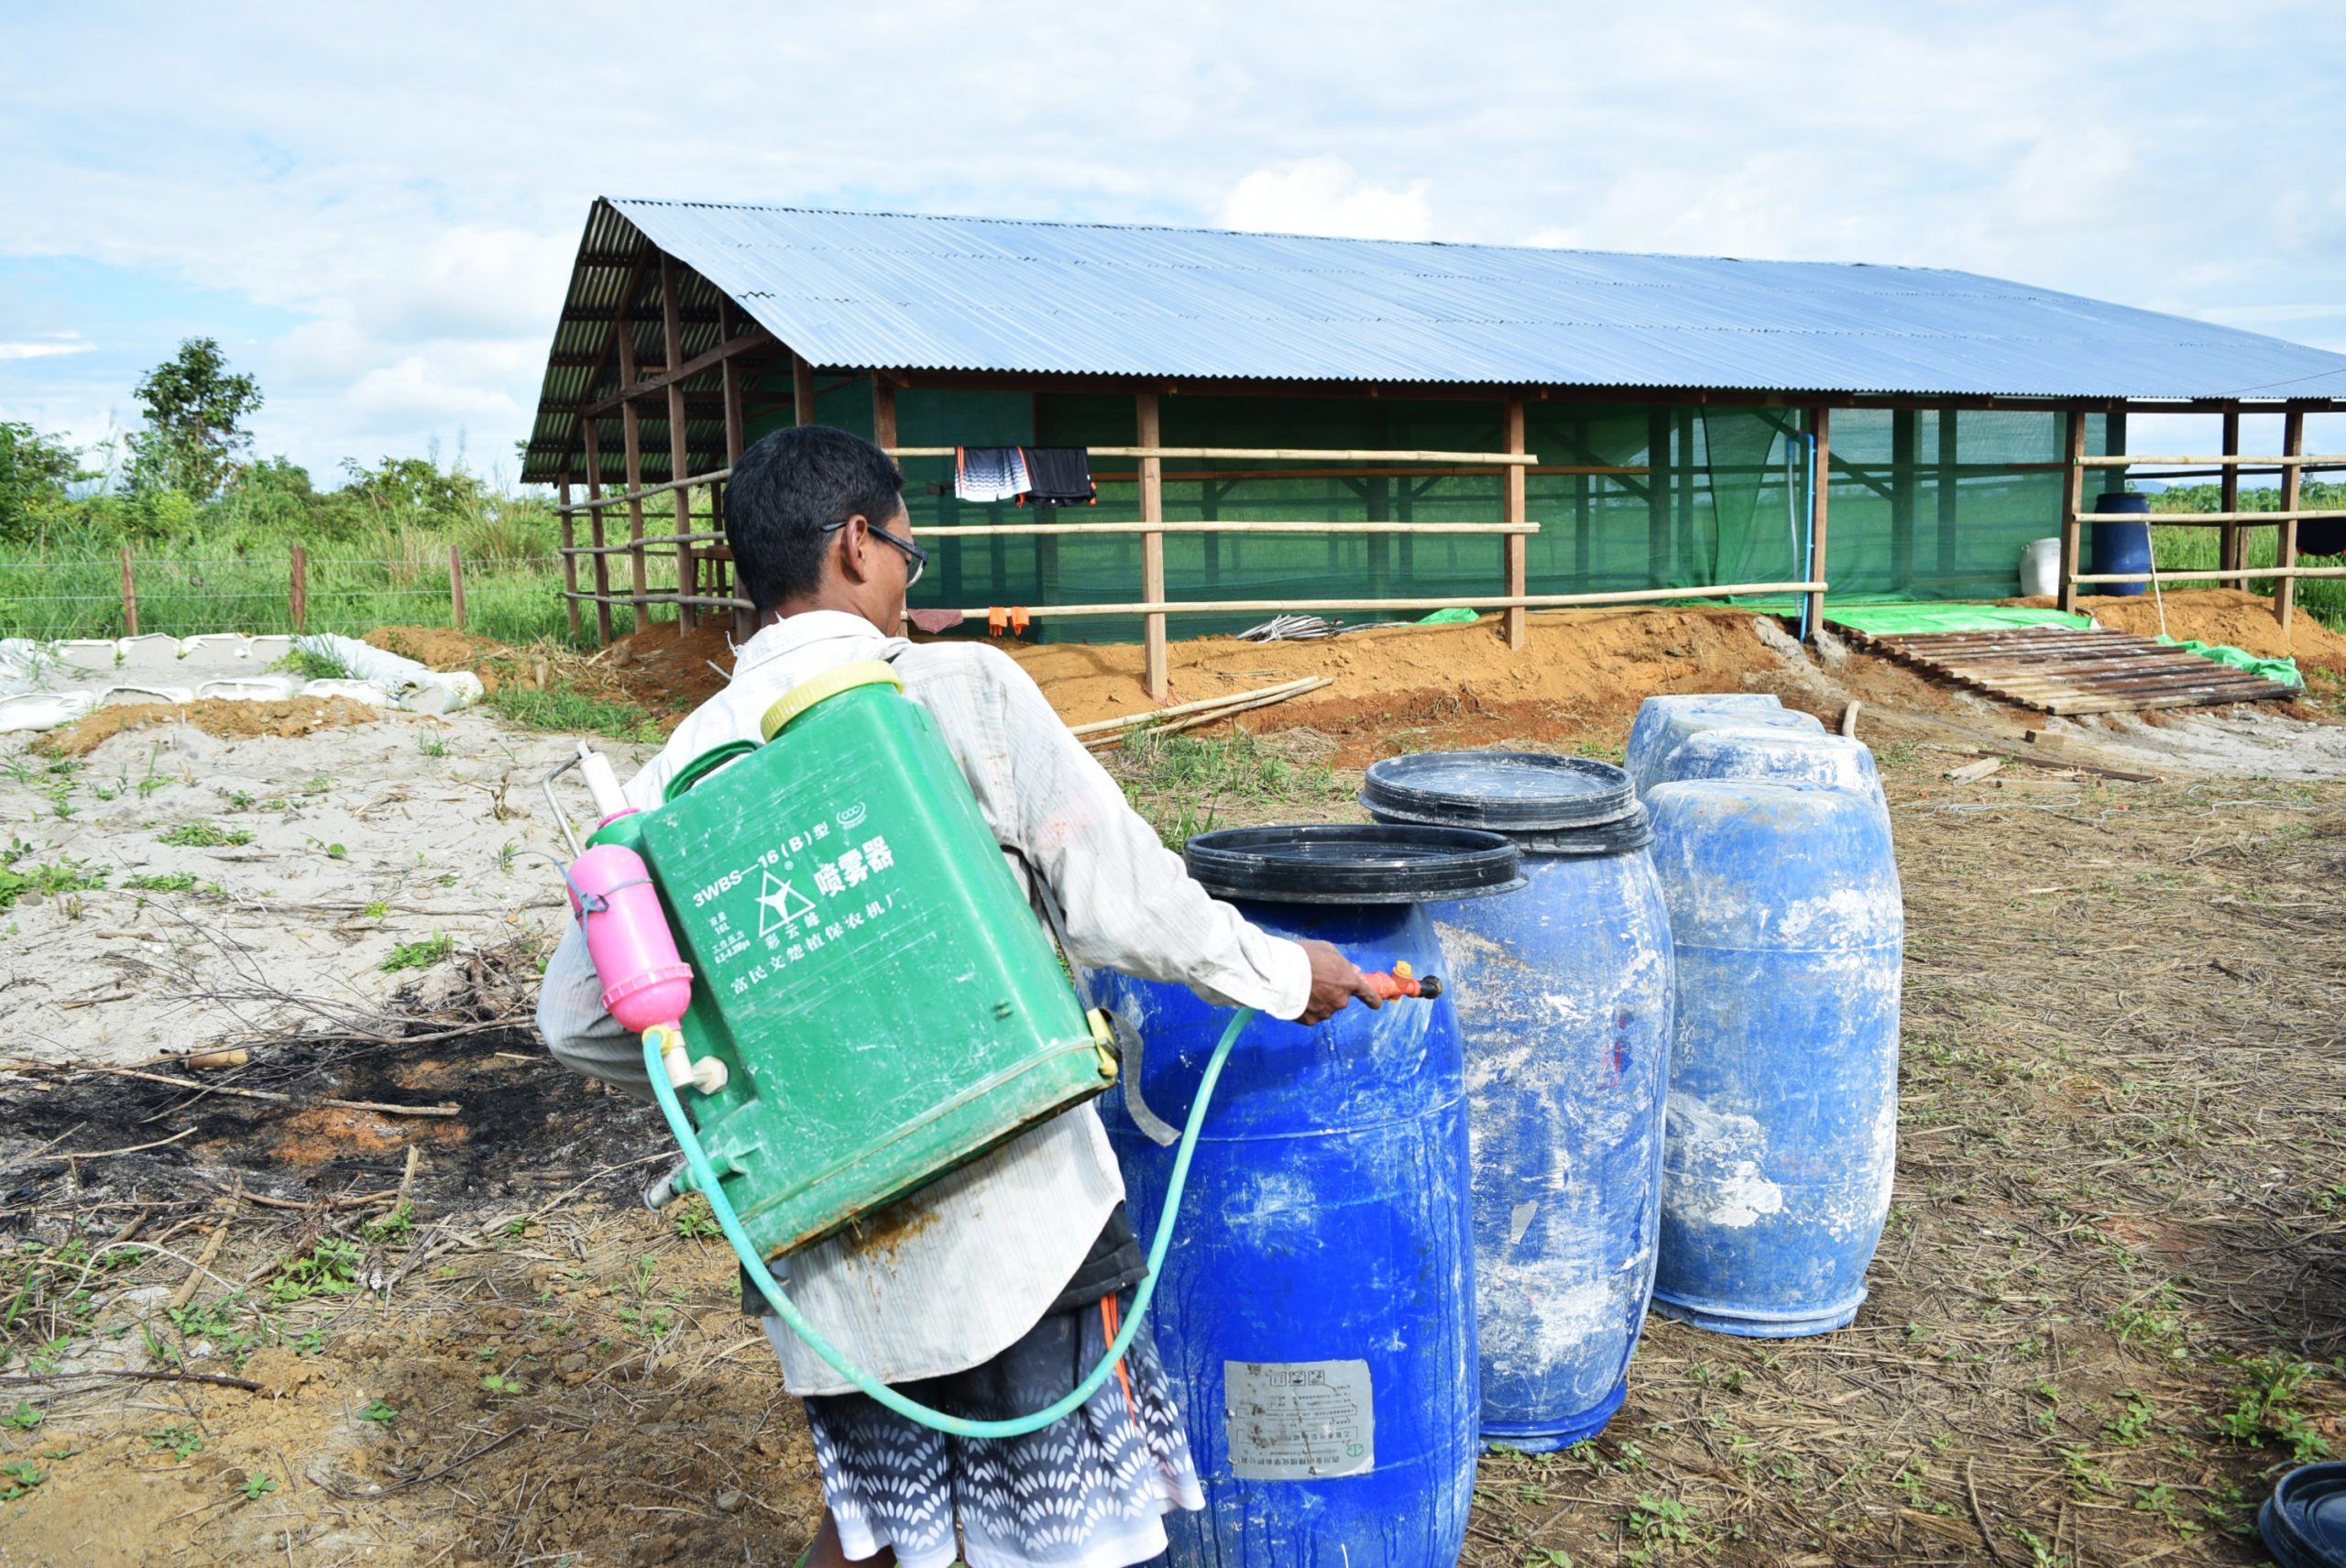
(194,441)
(34,471)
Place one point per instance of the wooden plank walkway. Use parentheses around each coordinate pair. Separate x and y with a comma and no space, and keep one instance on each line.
(2060,669)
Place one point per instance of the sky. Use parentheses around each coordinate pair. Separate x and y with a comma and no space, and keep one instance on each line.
(374,210)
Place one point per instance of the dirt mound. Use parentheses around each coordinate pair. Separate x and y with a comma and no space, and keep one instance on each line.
(288,720)
(669,671)
(437,646)
(2229,615)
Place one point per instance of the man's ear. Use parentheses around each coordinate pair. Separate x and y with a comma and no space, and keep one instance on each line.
(855,549)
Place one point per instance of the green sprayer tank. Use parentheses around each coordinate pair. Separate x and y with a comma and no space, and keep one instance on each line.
(884,1001)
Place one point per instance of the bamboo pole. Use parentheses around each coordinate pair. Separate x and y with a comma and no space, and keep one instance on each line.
(1227,710)
(1821,496)
(1279,454)
(2229,552)
(1440,471)
(595,520)
(736,440)
(1312,607)
(1153,714)
(569,561)
(2073,502)
(983,530)
(671,317)
(2236,574)
(129,597)
(297,596)
(1157,678)
(2212,518)
(2288,460)
(2293,443)
(457,585)
(623,498)
(1519,634)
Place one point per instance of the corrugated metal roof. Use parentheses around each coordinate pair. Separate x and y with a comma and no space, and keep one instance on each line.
(878,288)
(856,291)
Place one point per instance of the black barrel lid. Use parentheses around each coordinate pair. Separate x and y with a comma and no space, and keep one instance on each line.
(1506,792)
(2304,1522)
(1353,864)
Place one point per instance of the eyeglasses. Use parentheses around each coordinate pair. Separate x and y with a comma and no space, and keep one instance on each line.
(913,553)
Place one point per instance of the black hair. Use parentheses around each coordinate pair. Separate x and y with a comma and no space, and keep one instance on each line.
(783,491)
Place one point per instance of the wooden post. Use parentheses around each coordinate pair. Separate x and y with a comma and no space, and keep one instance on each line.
(1658,427)
(745,622)
(595,533)
(1950,488)
(2073,504)
(1151,547)
(569,562)
(130,596)
(1905,495)
(884,412)
(2228,556)
(1822,489)
(680,463)
(457,585)
(298,600)
(802,389)
(631,438)
(1518,628)
(2293,445)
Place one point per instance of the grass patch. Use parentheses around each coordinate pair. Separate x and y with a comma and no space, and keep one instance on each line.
(170,881)
(418,954)
(1185,785)
(204,836)
(575,713)
(312,665)
(66,875)
(2192,549)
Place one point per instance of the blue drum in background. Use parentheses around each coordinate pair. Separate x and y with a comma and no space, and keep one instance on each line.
(1316,1311)
(2120,546)
(1776,756)
(1648,758)
(1787,932)
(1654,710)
(1563,991)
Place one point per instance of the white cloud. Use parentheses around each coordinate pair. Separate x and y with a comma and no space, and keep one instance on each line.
(45,348)
(1327,196)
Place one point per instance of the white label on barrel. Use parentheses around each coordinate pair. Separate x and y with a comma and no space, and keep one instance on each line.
(1297,1420)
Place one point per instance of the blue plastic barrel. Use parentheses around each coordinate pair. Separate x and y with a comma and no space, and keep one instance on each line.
(2122,546)
(1647,759)
(1654,710)
(1317,1312)
(1563,992)
(1787,933)
(1776,756)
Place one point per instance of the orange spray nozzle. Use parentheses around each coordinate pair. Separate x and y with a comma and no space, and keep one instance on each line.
(1402,982)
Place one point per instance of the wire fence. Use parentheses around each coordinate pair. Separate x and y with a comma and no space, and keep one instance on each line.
(512,598)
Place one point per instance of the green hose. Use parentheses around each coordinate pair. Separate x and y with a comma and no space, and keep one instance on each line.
(705,1175)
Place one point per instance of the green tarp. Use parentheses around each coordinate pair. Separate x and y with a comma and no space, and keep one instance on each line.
(1918,620)
(2284,671)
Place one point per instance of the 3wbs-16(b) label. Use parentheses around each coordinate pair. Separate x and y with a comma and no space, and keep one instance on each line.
(1297,1420)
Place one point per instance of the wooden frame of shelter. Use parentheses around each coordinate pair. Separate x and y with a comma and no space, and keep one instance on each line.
(649,348)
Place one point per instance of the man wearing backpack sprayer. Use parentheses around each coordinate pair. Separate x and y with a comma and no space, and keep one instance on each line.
(992,1292)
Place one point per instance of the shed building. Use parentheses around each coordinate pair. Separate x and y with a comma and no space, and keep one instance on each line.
(1362,426)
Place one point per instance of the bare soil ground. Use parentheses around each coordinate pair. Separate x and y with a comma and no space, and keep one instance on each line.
(431,1325)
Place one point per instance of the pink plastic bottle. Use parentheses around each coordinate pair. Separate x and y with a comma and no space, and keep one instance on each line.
(645,983)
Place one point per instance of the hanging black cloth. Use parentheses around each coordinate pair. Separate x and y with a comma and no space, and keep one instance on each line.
(1061,477)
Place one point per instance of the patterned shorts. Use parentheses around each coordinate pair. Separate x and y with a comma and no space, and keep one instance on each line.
(1089,1491)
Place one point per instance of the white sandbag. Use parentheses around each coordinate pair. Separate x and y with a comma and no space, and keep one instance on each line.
(140,691)
(250,689)
(367,692)
(218,644)
(390,673)
(89,652)
(268,648)
(41,710)
(444,691)
(151,651)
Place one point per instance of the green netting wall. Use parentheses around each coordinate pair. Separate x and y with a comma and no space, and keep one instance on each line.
(1925,505)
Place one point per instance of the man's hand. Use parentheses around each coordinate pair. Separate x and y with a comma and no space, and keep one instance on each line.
(1334,982)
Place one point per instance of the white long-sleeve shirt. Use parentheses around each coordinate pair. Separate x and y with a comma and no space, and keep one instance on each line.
(969,1262)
